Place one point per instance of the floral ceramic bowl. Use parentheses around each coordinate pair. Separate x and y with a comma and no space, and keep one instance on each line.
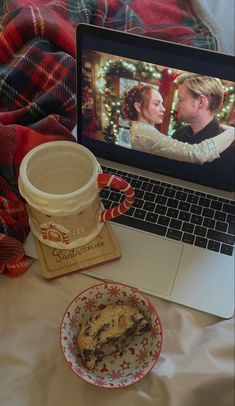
(114,371)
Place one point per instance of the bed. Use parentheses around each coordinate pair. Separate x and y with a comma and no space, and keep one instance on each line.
(37,104)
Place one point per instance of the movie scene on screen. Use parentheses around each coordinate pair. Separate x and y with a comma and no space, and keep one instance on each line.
(107,79)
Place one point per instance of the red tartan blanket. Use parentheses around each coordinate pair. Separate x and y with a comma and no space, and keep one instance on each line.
(37,82)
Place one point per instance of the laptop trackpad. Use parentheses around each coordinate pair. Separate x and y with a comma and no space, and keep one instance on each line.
(148,262)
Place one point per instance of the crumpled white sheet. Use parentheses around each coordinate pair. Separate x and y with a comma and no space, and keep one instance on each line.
(196,366)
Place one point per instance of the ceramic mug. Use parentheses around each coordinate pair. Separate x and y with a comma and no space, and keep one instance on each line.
(60,182)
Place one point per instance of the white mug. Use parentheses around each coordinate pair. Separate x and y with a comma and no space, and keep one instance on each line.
(60,182)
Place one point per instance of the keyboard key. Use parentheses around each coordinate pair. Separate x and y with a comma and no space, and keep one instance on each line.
(196,209)
(163,220)
(231,229)
(221,226)
(221,199)
(189,191)
(138,203)
(201,231)
(160,209)
(222,237)
(176,187)
(149,196)
(188,238)
(184,216)
(176,224)
(200,242)
(107,203)
(133,176)
(169,192)
(203,201)
(140,214)
(216,205)
(104,193)
(208,212)
(121,173)
(149,206)
(195,219)
(200,193)
(115,196)
(127,178)
(213,245)
(172,203)
(226,249)
(130,212)
(172,213)
(147,186)
(161,199)
(192,199)
(219,215)
(211,197)
(139,193)
(152,217)
(184,206)
(229,208)
(158,189)
(174,234)
(188,227)
(136,183)
(209,223)
(231,224)
(231,219)
(154,182)
(111,170)
(181,195)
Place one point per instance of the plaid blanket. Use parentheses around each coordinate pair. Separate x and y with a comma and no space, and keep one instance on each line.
(37,82)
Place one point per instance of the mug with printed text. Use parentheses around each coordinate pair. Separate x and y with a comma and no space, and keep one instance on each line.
(61,181)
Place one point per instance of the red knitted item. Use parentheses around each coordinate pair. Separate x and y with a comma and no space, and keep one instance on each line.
(13,231)
(13,261)
(38,83)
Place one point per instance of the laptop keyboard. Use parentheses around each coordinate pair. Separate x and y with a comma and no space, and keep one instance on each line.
(175,212)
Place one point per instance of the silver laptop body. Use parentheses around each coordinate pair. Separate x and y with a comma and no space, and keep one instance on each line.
(187,274)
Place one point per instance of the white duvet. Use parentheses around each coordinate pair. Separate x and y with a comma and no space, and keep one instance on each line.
(196,366)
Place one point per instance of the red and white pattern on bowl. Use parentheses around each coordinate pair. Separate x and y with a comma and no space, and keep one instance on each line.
(140,356)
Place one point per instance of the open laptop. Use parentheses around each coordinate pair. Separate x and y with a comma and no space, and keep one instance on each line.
(177,241)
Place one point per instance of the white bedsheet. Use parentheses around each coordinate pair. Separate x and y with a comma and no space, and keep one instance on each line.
(196,366)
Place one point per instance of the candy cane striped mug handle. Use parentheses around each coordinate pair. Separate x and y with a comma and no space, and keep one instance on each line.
(108,180)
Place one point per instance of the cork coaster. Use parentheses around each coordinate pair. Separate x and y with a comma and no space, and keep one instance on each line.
(59,262)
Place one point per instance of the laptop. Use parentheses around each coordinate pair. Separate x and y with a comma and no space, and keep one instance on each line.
(177,241)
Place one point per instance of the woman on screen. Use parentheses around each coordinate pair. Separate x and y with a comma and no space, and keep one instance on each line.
(142,105)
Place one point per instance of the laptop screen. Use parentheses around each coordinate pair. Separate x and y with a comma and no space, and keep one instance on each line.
(110,64)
